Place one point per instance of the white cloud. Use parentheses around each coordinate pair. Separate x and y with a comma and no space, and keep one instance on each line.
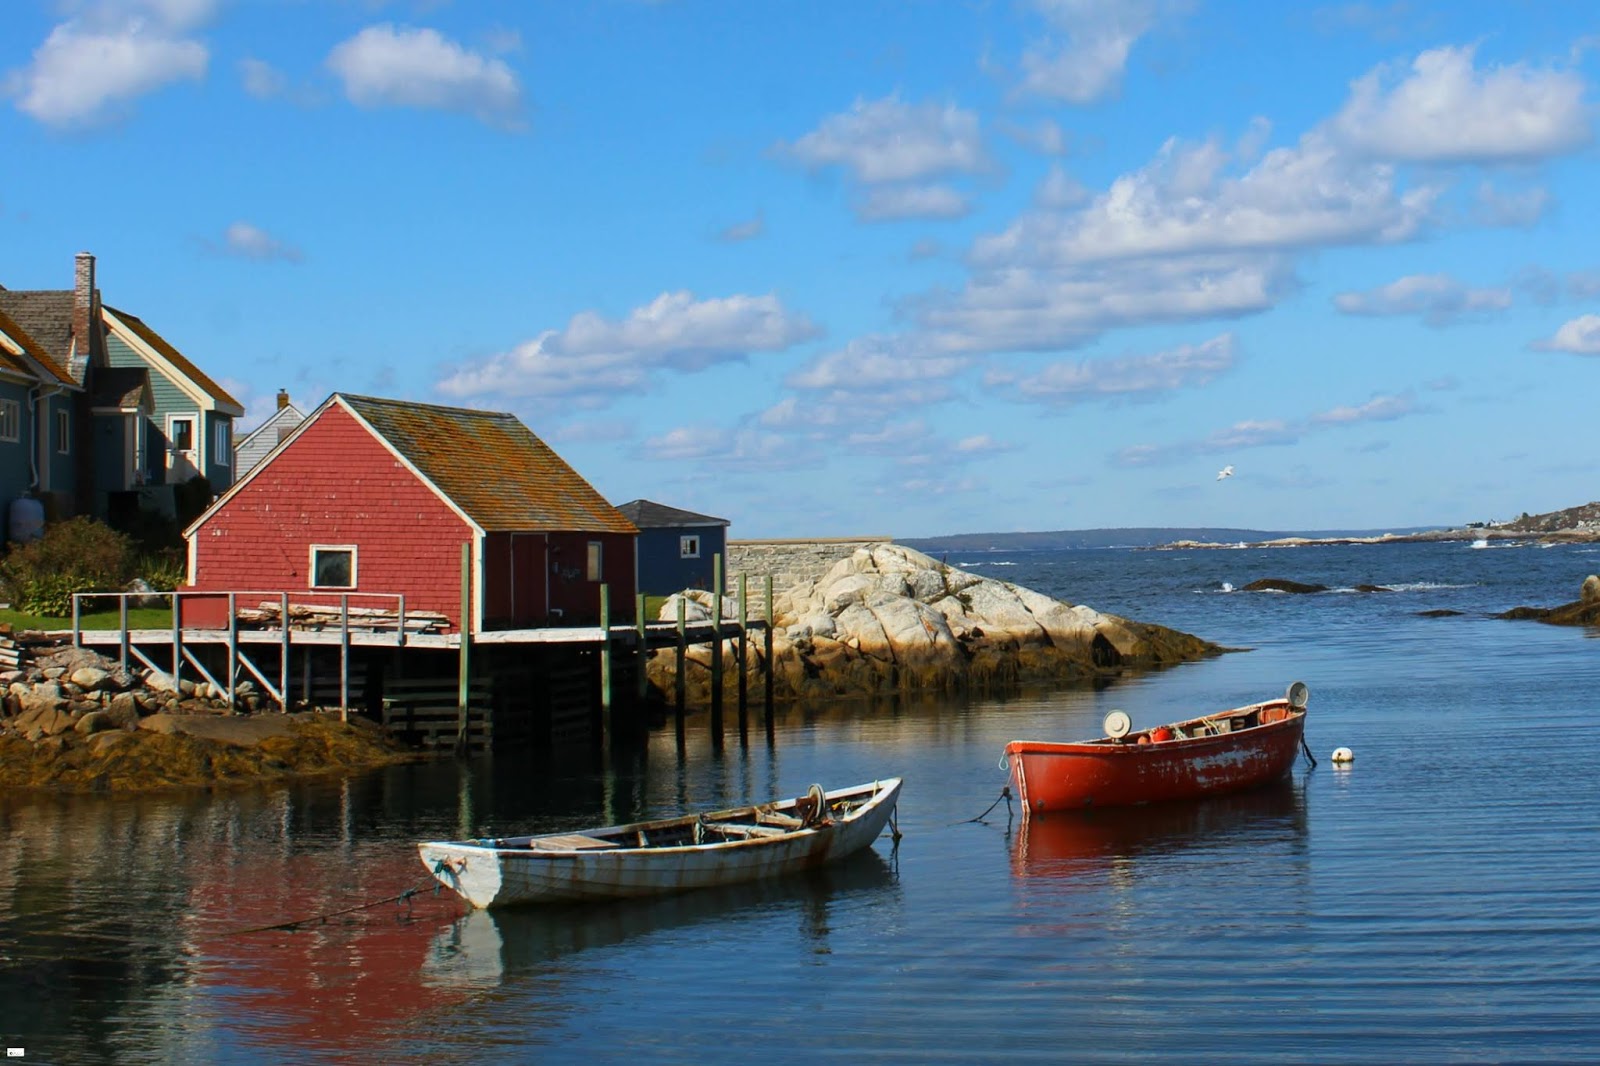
(1446,110)
(261,79)
(740,447)
(886,203)
(595,357)
(93,66)
(1440,299)
(1269,432)
(1186,366)
(1045,136)
(1059,190)
(1377,409)
(1184,203)
(245,241)
(748,230)
(398,66)
(1580,336)
(1500,207)
(873,363)
(1084,57)
(891,141)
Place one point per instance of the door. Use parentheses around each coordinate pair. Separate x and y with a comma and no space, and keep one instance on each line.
(183,460)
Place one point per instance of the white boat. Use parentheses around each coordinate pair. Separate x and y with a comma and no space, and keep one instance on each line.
(668,855)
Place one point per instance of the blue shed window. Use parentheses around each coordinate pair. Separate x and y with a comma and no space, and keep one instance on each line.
(63,432)
(689,547)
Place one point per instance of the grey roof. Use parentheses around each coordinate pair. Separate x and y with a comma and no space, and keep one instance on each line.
(647,514)
(46,314)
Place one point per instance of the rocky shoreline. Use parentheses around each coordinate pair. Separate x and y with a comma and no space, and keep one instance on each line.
(889,620)
(76,721)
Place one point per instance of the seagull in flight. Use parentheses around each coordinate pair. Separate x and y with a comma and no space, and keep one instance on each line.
(1226,471)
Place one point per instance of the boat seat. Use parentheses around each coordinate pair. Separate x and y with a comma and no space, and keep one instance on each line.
(569,842)
(747,831)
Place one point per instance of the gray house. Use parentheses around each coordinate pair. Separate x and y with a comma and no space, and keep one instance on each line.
(675,547)
(255,445)
(99,414)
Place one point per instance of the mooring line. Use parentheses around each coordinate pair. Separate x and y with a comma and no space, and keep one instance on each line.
(399,898)
(1005,794)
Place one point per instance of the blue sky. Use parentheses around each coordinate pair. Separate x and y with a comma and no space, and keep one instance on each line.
(860,268)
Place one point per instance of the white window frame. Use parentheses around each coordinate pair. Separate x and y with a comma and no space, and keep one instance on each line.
(311,572)
(689,546)
(222,442)
(10,421)
(63,432)
(596,560)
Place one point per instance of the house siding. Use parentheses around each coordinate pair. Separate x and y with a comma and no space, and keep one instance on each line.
(573,594)
(218,463)
(662,568)
(168,399)
(16,457)
(261,440)
(58,475)
(334,484)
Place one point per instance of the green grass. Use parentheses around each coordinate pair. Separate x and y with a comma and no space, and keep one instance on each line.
(138,618)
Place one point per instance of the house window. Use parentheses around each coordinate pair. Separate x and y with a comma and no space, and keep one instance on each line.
(182,430)
(333,566)
(222,444)
(63,432)
(10,420)
(689,547)
(596,571)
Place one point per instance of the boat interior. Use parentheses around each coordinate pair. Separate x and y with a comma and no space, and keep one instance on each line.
(1234,721)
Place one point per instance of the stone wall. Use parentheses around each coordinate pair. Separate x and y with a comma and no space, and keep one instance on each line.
(788,561)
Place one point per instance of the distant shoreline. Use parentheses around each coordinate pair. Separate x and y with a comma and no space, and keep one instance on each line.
(1499,533)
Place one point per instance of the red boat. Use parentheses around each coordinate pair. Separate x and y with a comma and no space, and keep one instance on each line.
(1217,753)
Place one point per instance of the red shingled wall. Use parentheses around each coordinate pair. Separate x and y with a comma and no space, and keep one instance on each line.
(336,484)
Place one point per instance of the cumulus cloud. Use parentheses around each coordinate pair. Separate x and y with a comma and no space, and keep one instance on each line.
(1129,376)
(245,241)
(399,66)
(739,447)
(1580,336)
(889,140)
(1269,432)
(886,203)
(93,66)
(1438,298)
(1447,110)
(1084,54)
(594,358)
(261,79)
(873,363)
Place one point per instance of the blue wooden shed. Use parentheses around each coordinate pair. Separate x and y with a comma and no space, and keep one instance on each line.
(675,547)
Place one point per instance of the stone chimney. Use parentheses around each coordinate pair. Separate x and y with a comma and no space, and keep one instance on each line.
(283,398)
(84,315)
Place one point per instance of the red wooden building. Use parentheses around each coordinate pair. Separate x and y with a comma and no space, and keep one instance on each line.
(373,496)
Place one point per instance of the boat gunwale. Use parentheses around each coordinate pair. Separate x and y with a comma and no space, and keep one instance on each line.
(1162,748)
(874,792)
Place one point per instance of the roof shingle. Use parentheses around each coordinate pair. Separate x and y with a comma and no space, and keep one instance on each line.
(491,466)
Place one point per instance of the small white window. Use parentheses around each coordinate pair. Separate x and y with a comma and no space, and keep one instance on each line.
(689,547)
(333,566)
(222,443)
(63,432)
(10,420)
(596,570)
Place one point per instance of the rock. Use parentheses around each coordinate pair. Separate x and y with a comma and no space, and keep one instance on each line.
(160,681)
(91,678)
(1590,592)
(94,722)
(231,729)
(46,695)
(1373,588)
(54,672)
(145,595)
(123,709)
(1278,584)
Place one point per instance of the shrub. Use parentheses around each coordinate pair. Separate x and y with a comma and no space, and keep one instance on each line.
(75,555)
(163,571)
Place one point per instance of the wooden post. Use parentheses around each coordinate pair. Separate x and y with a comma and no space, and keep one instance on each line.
(344,657)
(768,639)
(605,660)
(743,655)
(643,686)
(177,646)
(679,682)
(123,612)
(283,666)
(716,650)
(233,646)
(464,630)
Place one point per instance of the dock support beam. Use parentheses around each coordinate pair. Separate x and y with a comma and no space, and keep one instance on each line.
(605,661)
(642,688)
(716,650)
(678,682)
(769,672)
(464,671)
(742,661)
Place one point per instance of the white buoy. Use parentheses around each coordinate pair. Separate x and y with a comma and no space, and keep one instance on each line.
(1343,755)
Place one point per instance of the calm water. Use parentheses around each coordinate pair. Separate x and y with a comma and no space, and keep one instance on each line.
(1437,901)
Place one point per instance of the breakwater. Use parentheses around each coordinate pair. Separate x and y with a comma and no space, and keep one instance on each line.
(791,561)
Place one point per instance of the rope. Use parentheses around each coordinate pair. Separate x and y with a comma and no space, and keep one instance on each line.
(1005,794)
(399,899)
(1307,749)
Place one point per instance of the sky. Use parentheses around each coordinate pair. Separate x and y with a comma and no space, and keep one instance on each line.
(865,269)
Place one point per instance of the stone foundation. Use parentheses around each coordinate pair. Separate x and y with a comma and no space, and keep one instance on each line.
(789,561)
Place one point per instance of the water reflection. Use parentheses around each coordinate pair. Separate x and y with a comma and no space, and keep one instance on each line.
(489,949)
(1093,846)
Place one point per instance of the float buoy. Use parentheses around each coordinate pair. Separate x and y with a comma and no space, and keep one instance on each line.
(1343,755)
